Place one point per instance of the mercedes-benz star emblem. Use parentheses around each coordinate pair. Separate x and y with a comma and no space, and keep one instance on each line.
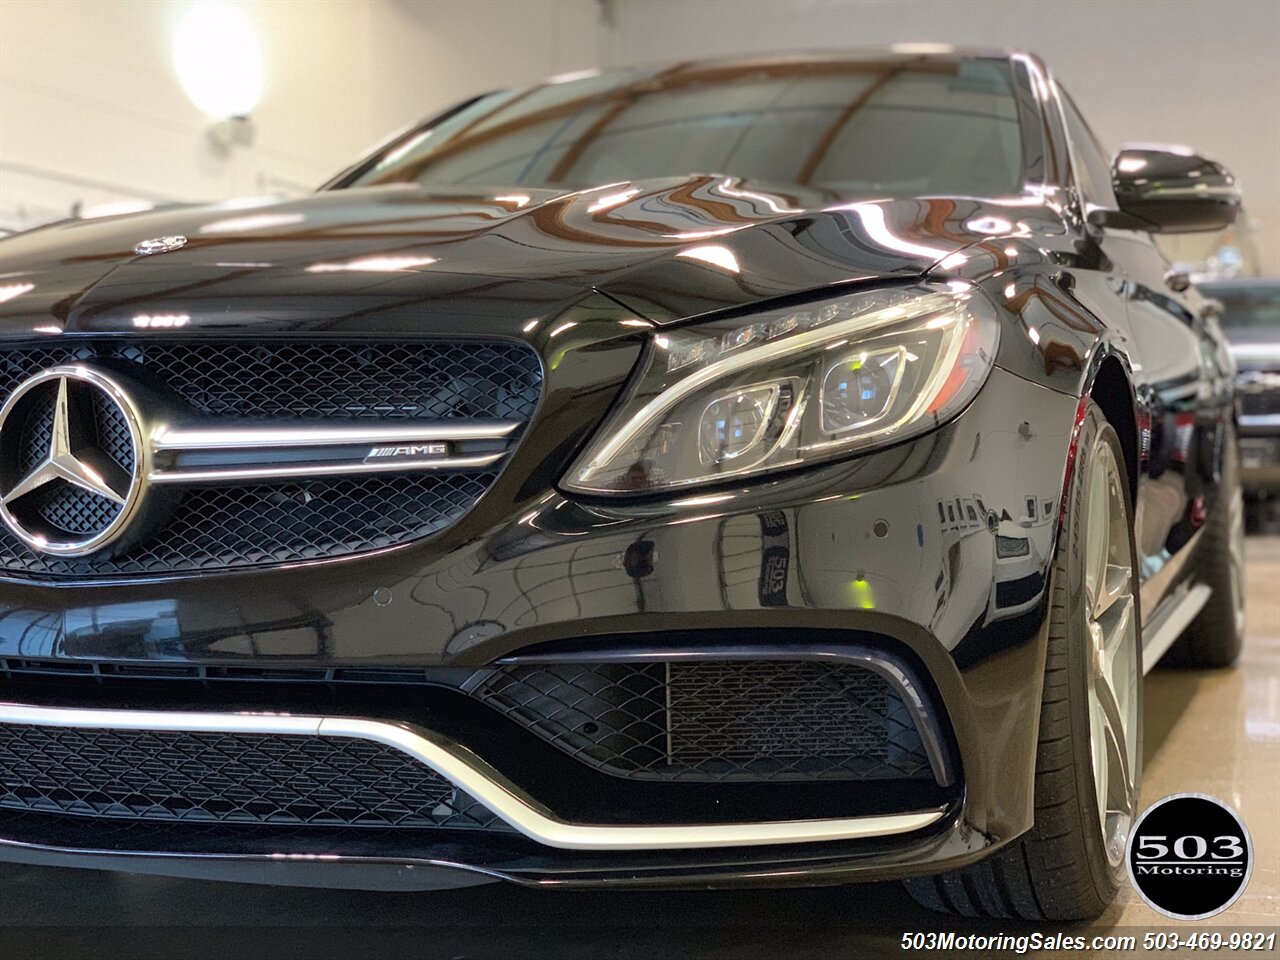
(159,245)
(71,467)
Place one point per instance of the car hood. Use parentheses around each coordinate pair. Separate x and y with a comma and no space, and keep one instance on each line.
(667,249)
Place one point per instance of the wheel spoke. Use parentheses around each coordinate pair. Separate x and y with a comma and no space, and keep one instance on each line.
(1116,583)
(1116,749)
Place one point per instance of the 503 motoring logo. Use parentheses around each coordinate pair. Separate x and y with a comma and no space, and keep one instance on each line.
(1189,856)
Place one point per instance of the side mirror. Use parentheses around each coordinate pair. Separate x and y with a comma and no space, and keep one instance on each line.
(1169,190)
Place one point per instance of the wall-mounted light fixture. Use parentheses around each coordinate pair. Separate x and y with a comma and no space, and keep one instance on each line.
(219,64)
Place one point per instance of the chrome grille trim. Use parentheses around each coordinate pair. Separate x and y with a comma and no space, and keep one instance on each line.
(483,783)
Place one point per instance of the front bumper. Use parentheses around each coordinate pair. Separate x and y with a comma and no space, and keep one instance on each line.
(892,551)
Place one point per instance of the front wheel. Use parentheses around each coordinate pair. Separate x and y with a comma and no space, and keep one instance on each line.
(1089,756)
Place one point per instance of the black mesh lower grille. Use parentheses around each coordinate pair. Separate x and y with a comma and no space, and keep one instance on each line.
(750,720)
(227,778)
(216,528)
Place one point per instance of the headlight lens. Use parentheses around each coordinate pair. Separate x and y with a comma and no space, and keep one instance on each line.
(736,398)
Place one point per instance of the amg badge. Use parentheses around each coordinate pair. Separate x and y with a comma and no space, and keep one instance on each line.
(407,451)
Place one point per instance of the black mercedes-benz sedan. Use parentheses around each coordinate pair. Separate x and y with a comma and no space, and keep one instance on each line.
(725,472)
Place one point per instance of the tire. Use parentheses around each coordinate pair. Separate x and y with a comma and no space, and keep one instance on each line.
(1065,868)
(1214,638)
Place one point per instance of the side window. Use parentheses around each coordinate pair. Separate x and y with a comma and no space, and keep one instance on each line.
(1090,161)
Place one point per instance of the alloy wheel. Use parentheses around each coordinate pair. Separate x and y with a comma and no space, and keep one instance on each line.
(1112,661)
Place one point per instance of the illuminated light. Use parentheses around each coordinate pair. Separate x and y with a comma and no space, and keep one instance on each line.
(562,328)
(663,343)
(1131,164)
(218,60)
(715,255)
(519,199)
(955,260)
(161,321)
(11,291)
(863,595)
(387,264)
(1010,252)
(1010,291)
(989,225)
(924,48)
(572,76)
(47,329)
(530,326)
(1034,334)
(612,200)
(116,208)
(253,221)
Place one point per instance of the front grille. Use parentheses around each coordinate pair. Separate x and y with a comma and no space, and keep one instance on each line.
(315,379)
(749,720)
(262,523)
(216,528)
(227,779)
(1260,402)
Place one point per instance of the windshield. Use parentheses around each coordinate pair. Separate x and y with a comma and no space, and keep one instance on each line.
(1256,307)
(857,129)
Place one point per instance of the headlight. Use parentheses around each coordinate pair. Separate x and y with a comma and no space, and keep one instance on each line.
(741,397)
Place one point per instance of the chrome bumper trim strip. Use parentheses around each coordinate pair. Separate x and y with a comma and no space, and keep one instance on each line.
(469,773)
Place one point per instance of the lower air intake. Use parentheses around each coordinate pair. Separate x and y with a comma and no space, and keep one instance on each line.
(750,720)
(289,780)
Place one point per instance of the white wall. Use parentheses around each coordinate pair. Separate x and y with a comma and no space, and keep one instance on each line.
(90,109)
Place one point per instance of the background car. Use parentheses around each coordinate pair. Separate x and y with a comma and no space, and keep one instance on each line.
(1250,319)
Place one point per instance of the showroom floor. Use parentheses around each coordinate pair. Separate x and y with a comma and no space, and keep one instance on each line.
(1210,732)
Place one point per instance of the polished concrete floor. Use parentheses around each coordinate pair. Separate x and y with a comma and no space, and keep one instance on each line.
(1212,732)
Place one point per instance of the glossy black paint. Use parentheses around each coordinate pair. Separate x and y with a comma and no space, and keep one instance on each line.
(897,544)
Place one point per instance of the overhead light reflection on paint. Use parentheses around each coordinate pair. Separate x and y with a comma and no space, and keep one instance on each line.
(989,225)
(764,198)
(1131,164)
(873,223)
(562,328)
(11,291)
(1010,291)
(612,200)
(49,328)
(161,321)
(704,234)
(380,264)
(634,322)
(1010,251)
(253,221)
(518,199)
(573,75)
(954,260)
(713,254)
(530,326)
(404,149)
(703,501)
(1034,334)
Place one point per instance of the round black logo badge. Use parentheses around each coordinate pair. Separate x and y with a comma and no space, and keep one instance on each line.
(1189,856)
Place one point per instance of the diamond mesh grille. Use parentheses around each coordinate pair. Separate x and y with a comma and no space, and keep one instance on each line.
(217,528)
(317,379)
(226,778)
(277,522)
(750,720)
